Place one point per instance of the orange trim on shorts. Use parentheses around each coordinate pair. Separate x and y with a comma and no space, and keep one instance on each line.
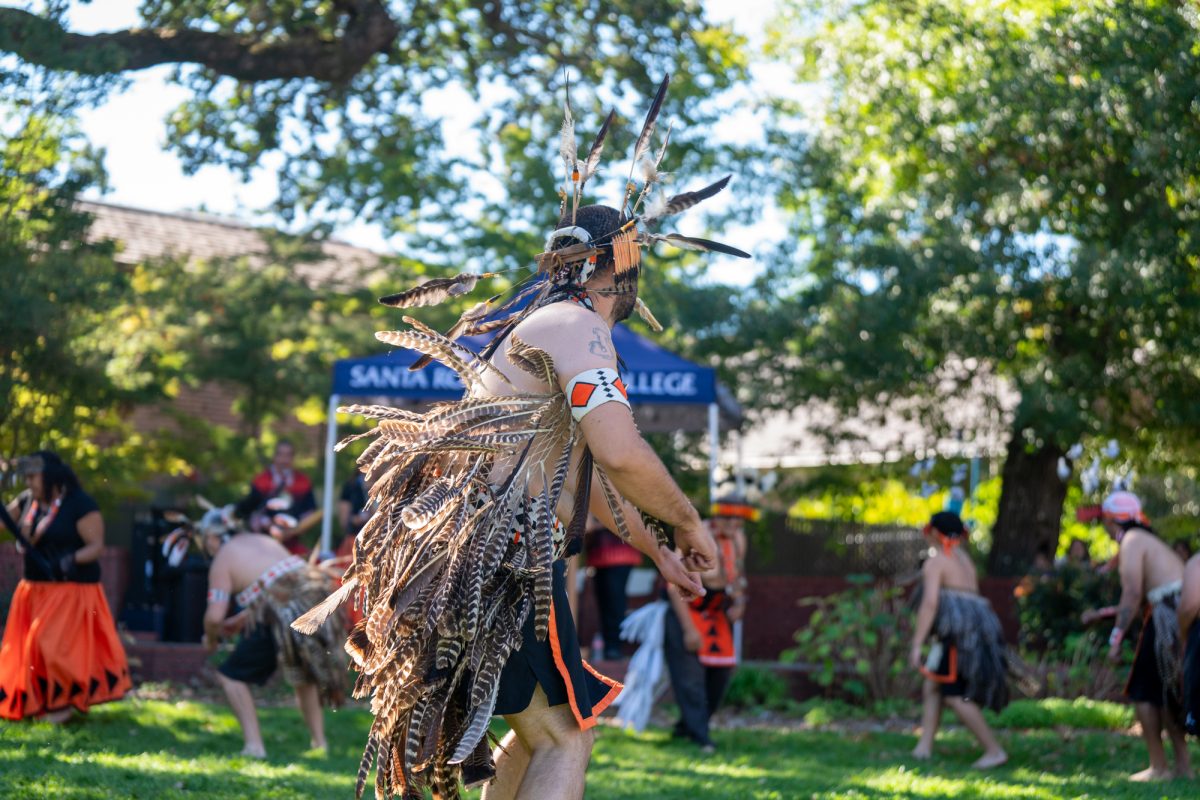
(952,677)
(556,650)
(615,687)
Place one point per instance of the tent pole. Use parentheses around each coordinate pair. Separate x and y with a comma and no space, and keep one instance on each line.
(330,459)
(714,442)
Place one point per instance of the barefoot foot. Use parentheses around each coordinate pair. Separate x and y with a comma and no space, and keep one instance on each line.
(254,752)
(922,753)
(991,760)
(1150,774)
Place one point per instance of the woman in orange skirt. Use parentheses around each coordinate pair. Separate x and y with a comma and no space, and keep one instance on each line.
(60,650)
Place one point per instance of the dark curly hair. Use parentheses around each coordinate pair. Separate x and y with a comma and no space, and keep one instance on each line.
(55,472)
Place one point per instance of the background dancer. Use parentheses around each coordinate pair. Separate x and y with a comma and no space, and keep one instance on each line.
(698,635)
(281,488)
(1151,581)
(60,651)
(967,664)
(272,587)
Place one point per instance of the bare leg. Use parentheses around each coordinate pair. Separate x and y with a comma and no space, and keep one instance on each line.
(308,699)
(242,703)
(972,717)
(931,718)
(512,759)
(1183,760)
(558,751)
(1150,718)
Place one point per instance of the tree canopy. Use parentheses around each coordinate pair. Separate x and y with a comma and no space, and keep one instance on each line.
(1005,189)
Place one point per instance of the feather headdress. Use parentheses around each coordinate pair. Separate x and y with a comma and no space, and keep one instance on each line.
(583,242)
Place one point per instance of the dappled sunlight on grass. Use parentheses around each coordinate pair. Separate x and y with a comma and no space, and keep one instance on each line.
(171,751)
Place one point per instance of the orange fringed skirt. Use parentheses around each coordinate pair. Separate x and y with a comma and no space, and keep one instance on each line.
(60,650)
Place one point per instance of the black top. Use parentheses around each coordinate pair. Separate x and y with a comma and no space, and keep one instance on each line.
(60,538)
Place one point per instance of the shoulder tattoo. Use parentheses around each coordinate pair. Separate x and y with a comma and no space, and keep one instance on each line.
(601,343)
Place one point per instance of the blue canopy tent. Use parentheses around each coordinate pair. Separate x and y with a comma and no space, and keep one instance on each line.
(667,392)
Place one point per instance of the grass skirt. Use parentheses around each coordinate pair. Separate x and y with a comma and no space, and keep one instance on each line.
(60,650)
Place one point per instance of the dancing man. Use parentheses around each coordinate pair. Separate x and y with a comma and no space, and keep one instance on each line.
(967,664)
(1151,581)
(465,609)
(272,587)
(698,636)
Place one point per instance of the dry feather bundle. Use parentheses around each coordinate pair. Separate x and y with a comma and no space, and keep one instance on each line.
(446,580)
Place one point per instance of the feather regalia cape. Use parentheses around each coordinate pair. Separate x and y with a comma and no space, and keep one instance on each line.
(450,564)
(453,560)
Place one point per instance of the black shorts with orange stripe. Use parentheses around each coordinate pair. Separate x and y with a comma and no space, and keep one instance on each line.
(556,665)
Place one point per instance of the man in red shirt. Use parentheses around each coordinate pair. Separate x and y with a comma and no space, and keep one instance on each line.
(281,501)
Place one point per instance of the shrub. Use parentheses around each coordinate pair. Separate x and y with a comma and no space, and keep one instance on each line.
(1050,605)
(753,687)
(1079,713)
(857,642)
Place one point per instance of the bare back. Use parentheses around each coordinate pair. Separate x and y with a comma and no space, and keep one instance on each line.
(247,556)
(1147,561)
(955,571)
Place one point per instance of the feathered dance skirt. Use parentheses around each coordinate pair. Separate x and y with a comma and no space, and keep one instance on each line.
(974,653)
(284,593)
(1157,673)
(60,650)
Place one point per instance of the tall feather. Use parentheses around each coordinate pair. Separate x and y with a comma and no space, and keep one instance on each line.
(592,164)
(643,140)
(685,200)
(436,290)
(694,243)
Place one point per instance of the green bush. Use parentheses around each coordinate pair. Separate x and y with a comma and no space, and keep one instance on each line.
(857,641)
(1050,605)
(1079,713)
(753,687)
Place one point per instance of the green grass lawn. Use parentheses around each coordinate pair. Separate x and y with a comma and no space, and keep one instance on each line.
(166,750)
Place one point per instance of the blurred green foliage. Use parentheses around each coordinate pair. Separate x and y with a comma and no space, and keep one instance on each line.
(985,195)
(856,640)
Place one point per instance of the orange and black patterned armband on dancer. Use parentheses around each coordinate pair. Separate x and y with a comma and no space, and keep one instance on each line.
(593,388)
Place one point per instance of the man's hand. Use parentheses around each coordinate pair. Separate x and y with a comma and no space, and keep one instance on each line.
(914,656)
(1114,652)
(691,639)
(696,544)
(671,567)
(210,643)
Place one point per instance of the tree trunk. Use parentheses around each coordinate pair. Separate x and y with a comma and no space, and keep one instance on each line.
(1031,507)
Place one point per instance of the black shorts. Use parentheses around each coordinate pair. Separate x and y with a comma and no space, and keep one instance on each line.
(952,683)
(1145,682)
(1191,681)
(253,659)
(556,665)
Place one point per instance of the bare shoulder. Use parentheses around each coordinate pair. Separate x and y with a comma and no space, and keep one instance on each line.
(934,566)
(222,560)
(575,337)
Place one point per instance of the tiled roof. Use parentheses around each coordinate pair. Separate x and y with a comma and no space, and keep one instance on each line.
(143,235)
